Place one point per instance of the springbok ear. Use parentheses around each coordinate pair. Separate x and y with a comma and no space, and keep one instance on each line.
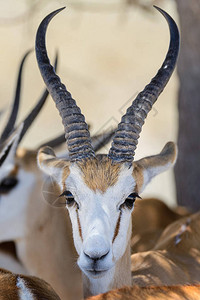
(148,167)
(50,164)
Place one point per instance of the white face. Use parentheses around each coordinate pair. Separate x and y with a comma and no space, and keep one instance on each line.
(15,187)
(100,198)
(13,205)
(100,221)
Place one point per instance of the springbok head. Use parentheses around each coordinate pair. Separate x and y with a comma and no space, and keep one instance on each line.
(15,182)
(100,190)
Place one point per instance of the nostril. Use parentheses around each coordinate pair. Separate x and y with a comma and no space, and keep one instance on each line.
(104,255)
(96,257)
(87,255)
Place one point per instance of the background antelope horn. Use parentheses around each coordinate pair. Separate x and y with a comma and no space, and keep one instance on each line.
(14,112)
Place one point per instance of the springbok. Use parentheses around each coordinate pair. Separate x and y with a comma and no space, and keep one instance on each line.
(156,217)
(174,259)
(8,180)
(100,190)
(169,269)
(21,287)
(187,292)
(34,231)
(37,226)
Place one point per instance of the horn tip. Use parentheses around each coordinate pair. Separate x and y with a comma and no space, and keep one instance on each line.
(158,8)
(163,12)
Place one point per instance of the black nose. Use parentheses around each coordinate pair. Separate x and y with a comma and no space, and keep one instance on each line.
(96,257)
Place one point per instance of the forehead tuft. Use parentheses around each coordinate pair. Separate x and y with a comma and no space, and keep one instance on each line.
(99,173)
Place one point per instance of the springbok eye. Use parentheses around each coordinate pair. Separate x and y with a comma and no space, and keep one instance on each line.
(8,184)
(128,203)
(69,198)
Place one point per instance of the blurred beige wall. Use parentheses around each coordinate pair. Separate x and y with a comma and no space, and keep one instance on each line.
(105,59)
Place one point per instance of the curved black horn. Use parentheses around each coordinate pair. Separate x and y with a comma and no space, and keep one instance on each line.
(126,137)
(13,115)
(35,111)
(76,130)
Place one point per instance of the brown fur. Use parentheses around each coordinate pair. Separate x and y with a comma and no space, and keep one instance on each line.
(9,248)
(175,259)
(14,171)
(138,176)
(38,287)
(65,174)
(149,218)
(117,227)
(79,225)
(99,173)
(8,289)
(26,159)
(187,292)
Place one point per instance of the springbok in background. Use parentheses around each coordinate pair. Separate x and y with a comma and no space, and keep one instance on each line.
(187,292)
(20,287)
(175,257)
(27,220)
(8,174)
(41,233)
(156,217)
(100,190)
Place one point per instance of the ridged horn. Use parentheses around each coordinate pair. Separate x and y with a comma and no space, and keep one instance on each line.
(76,130)
(35,111)
(126,137)
(15,108)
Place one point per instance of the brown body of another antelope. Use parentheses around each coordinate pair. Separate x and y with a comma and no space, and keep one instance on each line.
(187,292)
(18,287)
(174,259)
(100,190)
(156,216)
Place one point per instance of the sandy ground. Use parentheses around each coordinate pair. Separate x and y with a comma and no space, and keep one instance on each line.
(105,59)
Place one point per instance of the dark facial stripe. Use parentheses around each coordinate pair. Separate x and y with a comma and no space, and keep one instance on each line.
(79,225)
(117,227)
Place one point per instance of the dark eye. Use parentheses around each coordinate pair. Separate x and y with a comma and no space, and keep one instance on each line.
(8,184)
(128,203)
(69,198)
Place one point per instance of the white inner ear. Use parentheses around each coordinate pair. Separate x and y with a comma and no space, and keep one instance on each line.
(51,170)
(151,172)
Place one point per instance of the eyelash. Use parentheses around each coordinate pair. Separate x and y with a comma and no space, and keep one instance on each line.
(70,201)
(129,202)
